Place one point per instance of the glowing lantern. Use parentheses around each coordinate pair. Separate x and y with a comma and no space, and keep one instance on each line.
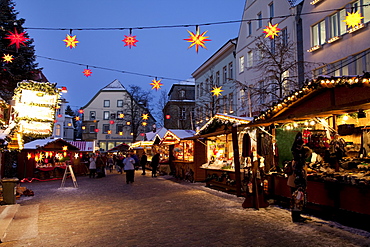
(109,132)
(121,115)
(81,111)
(217,91)
(77,118)
(120,133)
(156,84)
(271,30)
(29,155)
(8,58)
(353,19)
(87,72)
(16,38)
(197,39)
(111,122)
(83,127)
(69,124)
(142,134)
(65,148)
(144,123)
(76,156)
(96,130)
(145,116)
(64,90)
(130,40)
(60,115)
(168,116)
(128,123)
(71,41)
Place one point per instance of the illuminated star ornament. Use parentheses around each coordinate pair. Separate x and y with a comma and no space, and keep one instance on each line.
(130,40)
(353,19)
(197,39)
(16,38)
(217,91)
(271,30)
(87,72)
(145,116)
(8,58)
(156,84)
(71,41)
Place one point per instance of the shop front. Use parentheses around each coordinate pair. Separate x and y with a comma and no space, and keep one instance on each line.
(333,115)
(47,159)
(185,154)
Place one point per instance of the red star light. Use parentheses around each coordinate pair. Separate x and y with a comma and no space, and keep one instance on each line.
(16,38)
(71,41)
(87,72)
(197,39)
(271,30)
(156,84)
(8,58)
(130,41)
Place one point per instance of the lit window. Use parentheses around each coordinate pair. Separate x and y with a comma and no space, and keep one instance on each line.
(337,24)
(119,103)
(250,59)
(106,103)
(57,130)
(106,115)
(241,64)
(318,33)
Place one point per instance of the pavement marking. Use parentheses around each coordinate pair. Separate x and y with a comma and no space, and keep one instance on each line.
(6,217)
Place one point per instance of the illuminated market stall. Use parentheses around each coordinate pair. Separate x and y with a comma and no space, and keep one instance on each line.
(185,154)
(333,115)
(219,166)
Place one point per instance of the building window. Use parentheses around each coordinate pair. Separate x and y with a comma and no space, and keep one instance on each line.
(206,85)
(250,59)
(120,115)
(113,116)
(318,33)
(224,75)
(284,36)
(211,81)
(106,103)
(337,24)
(259,20)
(182,94)
(198,91)
(57,130)
(182,113)
(218,78)
(92,129)
(272,46)
(92,115)
(201,89)
(231,71)
(119,128)
(249,28)
(366,11)
(362,62)
(106,115)
(241,64)
(271,9)
(231,103)
(105,128)
(119,103)
(225,104)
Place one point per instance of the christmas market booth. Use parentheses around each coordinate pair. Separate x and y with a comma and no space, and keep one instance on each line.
(179,148)
(333,116)
(47,159)
(222,137)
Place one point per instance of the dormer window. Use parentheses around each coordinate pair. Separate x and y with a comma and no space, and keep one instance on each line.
(182,94)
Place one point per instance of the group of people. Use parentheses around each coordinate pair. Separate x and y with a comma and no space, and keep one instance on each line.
(98,163)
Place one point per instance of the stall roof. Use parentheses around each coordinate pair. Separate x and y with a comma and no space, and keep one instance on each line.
(151,136)
(322,97)
(49,144)
(175,135)
(120,148)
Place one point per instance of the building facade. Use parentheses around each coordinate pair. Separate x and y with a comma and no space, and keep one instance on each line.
(179,110)
(217,72)
(63,126)
(113,117)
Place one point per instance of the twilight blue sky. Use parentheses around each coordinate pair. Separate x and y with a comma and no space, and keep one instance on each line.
(160,52)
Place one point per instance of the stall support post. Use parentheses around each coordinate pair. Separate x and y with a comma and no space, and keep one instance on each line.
(236,159)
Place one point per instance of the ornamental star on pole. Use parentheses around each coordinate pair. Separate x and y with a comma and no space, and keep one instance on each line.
(156,84)
(217,91)
(197,39)
(271,30)
(353,19)
(8,58)
(16,38)
(71,41)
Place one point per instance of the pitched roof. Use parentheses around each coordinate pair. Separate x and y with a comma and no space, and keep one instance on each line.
(114,85)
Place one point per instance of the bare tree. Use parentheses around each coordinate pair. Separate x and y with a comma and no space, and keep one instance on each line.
(162,101)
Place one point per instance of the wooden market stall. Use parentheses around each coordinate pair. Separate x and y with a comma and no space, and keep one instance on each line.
(45,159)
(333,114)
(185,154)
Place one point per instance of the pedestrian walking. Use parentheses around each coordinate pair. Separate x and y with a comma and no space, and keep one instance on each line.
(134,156)
(100,165)
(119,163)
(92,166)
(154,164)
(143,161)
(110,163)
(129,168)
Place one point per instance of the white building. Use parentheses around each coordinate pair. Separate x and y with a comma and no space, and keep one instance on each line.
(63,126)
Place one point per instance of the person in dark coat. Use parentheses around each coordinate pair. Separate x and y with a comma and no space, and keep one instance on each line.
(143,161)
(154,164)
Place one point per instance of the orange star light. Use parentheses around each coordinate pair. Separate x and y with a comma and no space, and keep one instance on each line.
(271,30)
(71,41)
(16,38)
(197,39)
(87,72)
(353,19)
(217,91)
(145,116)
(8,58)
(156,84)
(130,41)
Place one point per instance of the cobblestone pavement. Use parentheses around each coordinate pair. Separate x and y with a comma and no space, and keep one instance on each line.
(161,212)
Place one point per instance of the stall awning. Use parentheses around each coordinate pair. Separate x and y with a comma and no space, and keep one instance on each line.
(123,147)
(320,98)
(50,145)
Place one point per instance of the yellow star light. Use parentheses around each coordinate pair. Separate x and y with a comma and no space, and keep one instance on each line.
(71,41)
(65,148)
(156,84)
(271,30)
(197,39)
(217,91)
(145,116)
(8,58)
(353,19)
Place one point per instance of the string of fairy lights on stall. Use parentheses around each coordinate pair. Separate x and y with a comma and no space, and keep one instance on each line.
(196,39)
